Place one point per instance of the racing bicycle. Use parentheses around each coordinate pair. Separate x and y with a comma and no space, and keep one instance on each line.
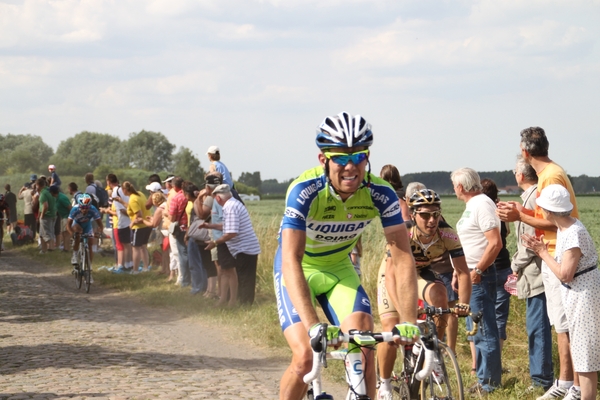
(430,369)
(352,357)
(83,269)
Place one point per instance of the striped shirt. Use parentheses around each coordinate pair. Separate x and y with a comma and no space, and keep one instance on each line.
(237,220)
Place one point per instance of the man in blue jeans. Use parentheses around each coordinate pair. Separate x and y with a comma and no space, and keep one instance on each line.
(479,232)
(527,266)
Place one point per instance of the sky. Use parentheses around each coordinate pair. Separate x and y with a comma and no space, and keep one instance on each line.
(444,84)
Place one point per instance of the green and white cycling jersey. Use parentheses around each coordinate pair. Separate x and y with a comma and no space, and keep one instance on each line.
(333,226)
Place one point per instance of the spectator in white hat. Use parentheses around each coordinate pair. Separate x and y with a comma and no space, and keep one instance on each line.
(54,178)
(214,156)
(575,264)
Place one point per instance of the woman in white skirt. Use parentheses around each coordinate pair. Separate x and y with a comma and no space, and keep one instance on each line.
(576,265)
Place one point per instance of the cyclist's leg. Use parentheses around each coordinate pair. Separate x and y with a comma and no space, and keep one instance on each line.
(292,385)
(386,352)
(434,293)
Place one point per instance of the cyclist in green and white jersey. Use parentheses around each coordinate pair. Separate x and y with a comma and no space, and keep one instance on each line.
(327,208)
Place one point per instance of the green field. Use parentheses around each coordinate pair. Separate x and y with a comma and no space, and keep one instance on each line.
(262,317)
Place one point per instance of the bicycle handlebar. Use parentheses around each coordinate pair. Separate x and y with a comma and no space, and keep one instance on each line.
(319,345)
(476,317)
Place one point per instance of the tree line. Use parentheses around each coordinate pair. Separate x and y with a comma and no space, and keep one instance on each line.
(99,152)
(102,153)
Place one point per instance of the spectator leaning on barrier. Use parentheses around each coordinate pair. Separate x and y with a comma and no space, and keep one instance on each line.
(530,286)
(241,241)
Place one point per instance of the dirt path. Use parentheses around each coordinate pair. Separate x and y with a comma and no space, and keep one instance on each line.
(57,342)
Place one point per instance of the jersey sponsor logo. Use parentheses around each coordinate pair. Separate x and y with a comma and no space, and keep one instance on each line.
(329,216)
(307,191)
(330,209)
(293,213)
(361,208)
(337,227)
(360,215)
(278,298)
(365,302)
(392,210)
(349,216)
(343,238)
(449,235)
(379,196)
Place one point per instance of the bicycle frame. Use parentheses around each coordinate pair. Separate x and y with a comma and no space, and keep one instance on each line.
(352,358)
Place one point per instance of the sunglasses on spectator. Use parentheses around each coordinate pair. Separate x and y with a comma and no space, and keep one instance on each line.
(344,158)
(426,215)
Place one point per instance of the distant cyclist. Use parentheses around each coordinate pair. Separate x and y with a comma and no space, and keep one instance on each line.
(80,221)
(327,208)
(441,266)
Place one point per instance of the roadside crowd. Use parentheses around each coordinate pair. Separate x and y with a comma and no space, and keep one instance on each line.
(208,243)
(205,234)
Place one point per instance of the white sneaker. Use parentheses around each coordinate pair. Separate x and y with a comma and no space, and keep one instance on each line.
(574,394)
(91,278)
(555,392)
(74,259)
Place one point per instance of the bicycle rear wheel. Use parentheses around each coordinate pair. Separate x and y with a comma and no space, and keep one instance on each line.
(87,270)
(447,386)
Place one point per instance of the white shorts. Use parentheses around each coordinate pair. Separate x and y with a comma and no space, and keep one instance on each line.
(555,309)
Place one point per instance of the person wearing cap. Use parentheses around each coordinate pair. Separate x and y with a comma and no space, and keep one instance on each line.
(575,265)
(214,156)
(479,233)
(534,147)
(243,246)
(54,178)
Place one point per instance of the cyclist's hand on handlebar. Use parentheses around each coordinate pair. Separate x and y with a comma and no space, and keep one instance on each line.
(407,332)
(331,332)
(462,309)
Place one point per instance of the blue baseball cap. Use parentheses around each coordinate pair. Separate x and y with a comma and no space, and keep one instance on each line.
(33,177)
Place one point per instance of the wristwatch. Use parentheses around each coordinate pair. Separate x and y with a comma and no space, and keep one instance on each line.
(478,271)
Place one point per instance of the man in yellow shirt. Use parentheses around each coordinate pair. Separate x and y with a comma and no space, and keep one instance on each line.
(534,149)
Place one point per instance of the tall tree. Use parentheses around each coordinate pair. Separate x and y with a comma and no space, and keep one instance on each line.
(85,151)
(149,150)
(24,153)
(187,165)
(251,179)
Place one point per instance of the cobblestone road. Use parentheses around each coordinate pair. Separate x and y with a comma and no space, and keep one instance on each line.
(57,342)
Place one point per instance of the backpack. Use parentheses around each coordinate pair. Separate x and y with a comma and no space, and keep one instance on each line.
(101,195)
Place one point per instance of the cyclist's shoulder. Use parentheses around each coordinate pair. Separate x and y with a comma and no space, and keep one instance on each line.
(307,186)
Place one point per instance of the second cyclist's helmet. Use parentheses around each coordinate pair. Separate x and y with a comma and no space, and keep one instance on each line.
(344,130)
(423,197)
(84,201)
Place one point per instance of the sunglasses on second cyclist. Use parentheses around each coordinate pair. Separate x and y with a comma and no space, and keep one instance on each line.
(344,158)
(426,215)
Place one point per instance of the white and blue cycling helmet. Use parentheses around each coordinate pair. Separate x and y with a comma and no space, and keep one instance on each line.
(344,130)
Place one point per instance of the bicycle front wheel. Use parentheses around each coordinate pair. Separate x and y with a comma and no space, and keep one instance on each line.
(447,385)
(87,270)
(78,274)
